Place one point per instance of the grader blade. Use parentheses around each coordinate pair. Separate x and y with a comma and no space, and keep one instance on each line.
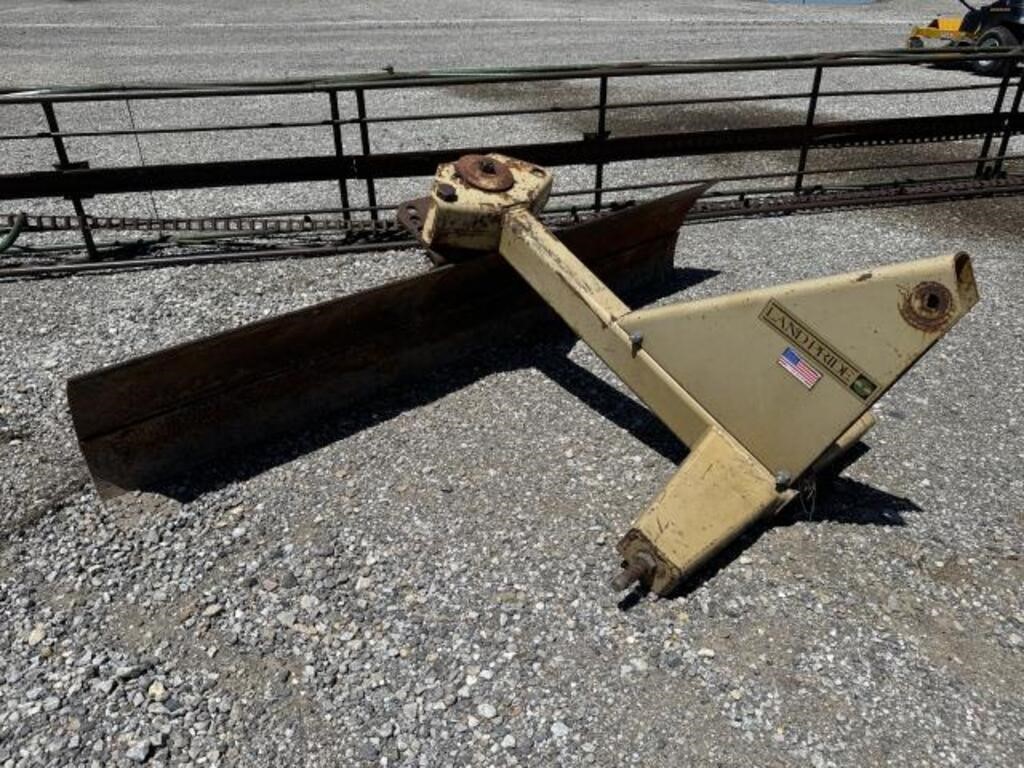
(766,387)
(146,422)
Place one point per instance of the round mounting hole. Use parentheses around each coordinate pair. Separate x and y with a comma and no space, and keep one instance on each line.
(928,306)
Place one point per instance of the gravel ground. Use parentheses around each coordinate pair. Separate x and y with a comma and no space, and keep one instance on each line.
(430,590)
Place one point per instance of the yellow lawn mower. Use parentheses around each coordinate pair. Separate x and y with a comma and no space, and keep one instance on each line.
(996,25)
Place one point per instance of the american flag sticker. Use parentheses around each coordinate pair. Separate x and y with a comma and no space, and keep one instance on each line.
(795,364)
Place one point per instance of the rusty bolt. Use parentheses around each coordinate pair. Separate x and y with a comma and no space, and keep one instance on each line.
(639,569)
(636,341)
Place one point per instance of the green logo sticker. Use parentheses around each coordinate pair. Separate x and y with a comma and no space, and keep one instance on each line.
(863,387)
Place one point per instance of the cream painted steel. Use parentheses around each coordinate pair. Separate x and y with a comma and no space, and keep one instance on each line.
(718,491)
(712,370)
(466,217)
(723,351)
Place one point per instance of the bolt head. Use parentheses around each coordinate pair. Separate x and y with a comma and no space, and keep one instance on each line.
(447,193)
(783,480)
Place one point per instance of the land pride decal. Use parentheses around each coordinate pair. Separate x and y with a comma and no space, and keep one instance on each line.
(823,353)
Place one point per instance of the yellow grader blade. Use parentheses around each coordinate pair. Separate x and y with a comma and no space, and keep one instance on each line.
(765,387)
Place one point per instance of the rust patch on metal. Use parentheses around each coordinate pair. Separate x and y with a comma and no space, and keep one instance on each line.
(411,215)
(643,563)
(484,173)
(928,306)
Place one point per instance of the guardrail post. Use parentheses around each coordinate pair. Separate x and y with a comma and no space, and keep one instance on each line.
(364,138)
(812,107)
(1004,143)
(339,152)
(63,164)
(602,112)
(997,109)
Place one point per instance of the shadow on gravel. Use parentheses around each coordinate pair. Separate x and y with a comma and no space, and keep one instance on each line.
(548,355)
(613,404)
(851,502)
(930,160)
(719,117)
(838,500)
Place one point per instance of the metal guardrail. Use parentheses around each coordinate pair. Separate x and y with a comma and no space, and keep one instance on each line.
(762,188)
